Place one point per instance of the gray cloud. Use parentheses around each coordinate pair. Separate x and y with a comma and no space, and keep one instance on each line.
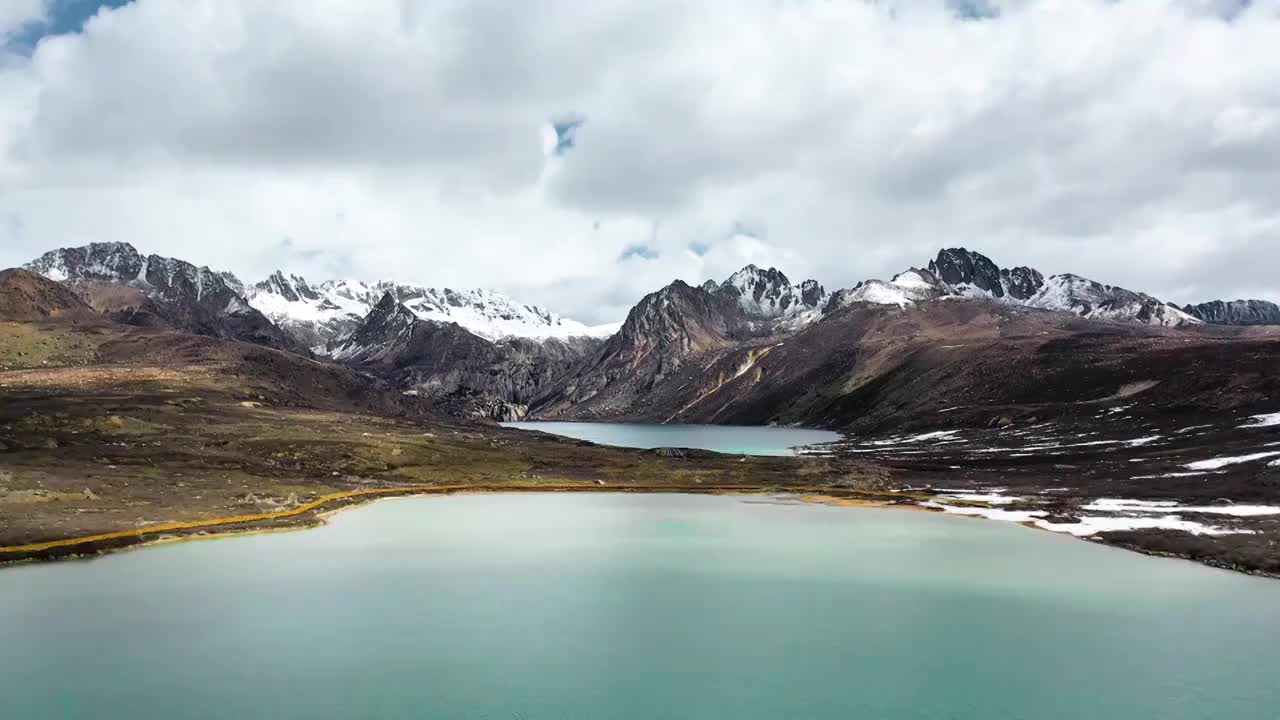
(530,146)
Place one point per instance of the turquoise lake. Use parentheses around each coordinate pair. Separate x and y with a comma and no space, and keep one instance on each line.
(561,605)
(737,439)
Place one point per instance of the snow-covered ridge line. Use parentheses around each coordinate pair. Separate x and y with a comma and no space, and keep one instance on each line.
(290,300)
(962,274)
(766,295)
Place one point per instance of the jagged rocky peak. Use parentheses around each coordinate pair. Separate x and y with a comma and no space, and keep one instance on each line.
(678,318)
(116,262)
(964,274)
(963,269)
(387,325)
(767,294)
(1022,283)
(1236,312)
(970,273)
(323,313)
(811,293)
(106,262)
(292,288)
(169,292)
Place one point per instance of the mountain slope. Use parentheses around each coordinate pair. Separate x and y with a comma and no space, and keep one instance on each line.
(1236,312)
(663,332)
(877,368)
(960,274)
(700,354)
(321,314)
(153,290)
(453,366)
(26,297)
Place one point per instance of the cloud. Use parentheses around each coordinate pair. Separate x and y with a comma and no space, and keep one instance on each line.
(530,146)
(17,14)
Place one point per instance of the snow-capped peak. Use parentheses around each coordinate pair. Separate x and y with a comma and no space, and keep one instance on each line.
(325,311)
(964,274)
(769,295)
(1091,299)
(167,279)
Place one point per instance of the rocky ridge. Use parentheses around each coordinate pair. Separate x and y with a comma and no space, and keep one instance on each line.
(147,290)
(1236,312)
(322,314)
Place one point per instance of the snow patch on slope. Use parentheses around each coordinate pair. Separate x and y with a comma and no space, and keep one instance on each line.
(1259,421)
(1218,462)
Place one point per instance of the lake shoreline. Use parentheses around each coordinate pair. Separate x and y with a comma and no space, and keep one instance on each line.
(316,516)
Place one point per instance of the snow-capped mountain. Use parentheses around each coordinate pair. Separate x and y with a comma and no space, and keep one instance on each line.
(451,365)
(165,278)
(767,296)
(904,289)
(159,289)
(963,274)
(324,312)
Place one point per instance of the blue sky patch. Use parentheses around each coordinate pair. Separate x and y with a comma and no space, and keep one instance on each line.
(639,250)
(566,133)
(64,16)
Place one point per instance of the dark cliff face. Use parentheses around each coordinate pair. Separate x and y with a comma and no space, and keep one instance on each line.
(463,372)
(170,292)
(762,287)
(958,266)
(291,288)
(661,333)
(1022,282)
(811,293)
(1236,312)
(678,319)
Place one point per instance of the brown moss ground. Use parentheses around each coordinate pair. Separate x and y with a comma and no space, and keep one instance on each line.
(86,457)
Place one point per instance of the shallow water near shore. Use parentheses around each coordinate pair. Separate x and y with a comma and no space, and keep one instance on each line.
(564,605)
(737,439)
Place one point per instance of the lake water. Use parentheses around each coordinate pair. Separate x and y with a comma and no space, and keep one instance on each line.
(637,607)
(737,439)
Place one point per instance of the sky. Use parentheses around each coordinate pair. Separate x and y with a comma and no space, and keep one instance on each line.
(579,155)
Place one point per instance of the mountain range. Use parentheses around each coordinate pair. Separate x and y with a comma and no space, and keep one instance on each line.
(749,348)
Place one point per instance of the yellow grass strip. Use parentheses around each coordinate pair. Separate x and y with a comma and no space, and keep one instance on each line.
(403,490)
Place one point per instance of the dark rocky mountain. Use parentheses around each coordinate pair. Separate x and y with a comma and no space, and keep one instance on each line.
(960,274)
(700,354)
(1236,312)
(454,367)
(963,269)
(873,368)
(663,332)
(152,290)
(964,273)
(752,348)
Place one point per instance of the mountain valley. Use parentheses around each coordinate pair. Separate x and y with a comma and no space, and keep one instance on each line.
(1031,397)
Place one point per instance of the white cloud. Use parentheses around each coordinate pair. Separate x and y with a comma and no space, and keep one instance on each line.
(1134,142)
(14,14)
